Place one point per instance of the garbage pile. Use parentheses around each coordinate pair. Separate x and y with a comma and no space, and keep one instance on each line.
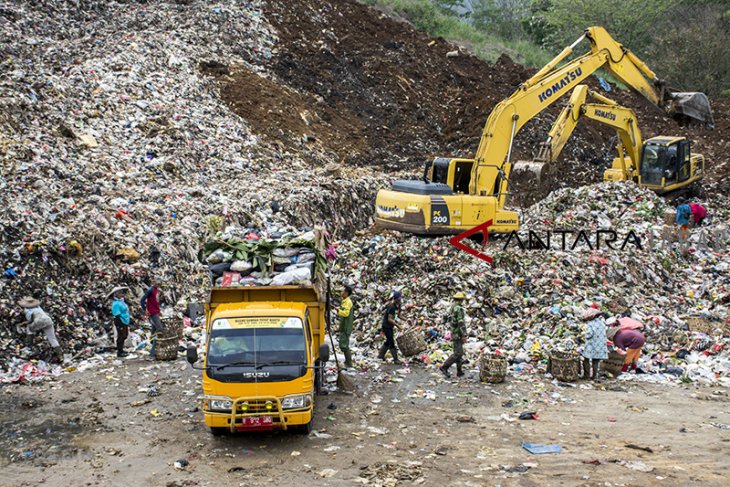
(277,256)
(530,301)
(116,151)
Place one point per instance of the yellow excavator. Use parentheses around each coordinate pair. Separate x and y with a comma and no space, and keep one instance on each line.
(663,164)
(458,194)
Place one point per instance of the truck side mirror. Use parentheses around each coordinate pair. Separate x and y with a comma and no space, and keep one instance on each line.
(324,353)
(192,354)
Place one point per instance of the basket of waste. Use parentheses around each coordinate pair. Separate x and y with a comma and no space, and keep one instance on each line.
(171,326)
(167,348)
(492,368)
(168,340)
(564,366)
(411,342)
(613,364)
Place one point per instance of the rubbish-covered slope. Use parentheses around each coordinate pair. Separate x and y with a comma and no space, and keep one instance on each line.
(116,148)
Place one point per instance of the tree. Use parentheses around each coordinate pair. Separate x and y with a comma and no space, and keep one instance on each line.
(503,18)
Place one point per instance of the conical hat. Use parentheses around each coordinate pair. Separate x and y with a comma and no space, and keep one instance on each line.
(28,302)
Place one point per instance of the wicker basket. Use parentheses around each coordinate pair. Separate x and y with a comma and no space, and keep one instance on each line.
(492,368)
(564,366)
(411,342)
(613,364)
(166,348)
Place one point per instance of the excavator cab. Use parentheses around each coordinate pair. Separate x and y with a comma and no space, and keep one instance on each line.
(667,164)
(455,173)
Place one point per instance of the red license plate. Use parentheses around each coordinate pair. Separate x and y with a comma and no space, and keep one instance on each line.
(255,421)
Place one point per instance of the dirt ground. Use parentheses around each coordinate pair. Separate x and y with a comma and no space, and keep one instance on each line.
(97,428)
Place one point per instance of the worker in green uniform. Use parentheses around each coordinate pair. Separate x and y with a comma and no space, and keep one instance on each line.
(347,317)
(458,336)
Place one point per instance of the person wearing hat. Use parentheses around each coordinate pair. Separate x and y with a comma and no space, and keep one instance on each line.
(390,321)
(120,312)
(39,320)
(346,317)
(150,304)
(684,212)
(594,349)
(458,336)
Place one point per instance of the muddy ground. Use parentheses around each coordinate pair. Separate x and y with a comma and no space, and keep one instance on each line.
(97,428)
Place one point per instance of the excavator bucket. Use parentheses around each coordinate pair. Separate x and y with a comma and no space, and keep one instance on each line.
(693,105)
(530,181)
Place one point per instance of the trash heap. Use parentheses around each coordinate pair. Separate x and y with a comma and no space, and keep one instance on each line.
(116,150)
(276,256)
(530,301)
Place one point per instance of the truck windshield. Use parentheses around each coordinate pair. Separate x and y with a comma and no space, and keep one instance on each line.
(257,342)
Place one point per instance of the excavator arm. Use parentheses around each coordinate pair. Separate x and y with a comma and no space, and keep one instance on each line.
(608,112)
(491,171)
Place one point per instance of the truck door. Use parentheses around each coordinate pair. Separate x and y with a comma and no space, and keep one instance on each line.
(685,167)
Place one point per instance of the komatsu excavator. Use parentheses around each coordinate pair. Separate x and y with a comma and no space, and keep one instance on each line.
(663,164)
(458,194)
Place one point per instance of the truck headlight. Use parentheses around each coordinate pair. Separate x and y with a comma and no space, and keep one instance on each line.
(220,404)
(296,402)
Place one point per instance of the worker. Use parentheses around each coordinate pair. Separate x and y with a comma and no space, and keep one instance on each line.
(458,336)
(39,320)
(684,212)
(629,340)
(120,312)
(150,304)
(347,317)
(390,322)
(699,213)
(594,349)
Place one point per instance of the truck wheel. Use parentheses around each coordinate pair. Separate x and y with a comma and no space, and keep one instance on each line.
(318,377)
(218,431)
(302,429)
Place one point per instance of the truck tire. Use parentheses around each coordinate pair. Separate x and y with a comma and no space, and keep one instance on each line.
(302,429)
(318,377)
(218,430)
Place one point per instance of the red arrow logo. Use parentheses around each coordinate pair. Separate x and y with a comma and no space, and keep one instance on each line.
(456,240)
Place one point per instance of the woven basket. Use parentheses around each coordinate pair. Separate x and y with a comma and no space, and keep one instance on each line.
(492,368)
(166,348)
(613,364)
(411,342)
(564,366)
(170,327)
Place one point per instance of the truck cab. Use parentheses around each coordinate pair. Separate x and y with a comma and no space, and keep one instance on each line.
(264,355)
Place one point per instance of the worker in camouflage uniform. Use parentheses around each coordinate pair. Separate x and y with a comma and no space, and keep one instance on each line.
(458,336)
(347,316)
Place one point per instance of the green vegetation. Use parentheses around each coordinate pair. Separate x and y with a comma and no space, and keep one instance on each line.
(438,20)
(683,41)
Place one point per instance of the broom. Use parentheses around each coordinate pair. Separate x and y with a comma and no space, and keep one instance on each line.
(344,383)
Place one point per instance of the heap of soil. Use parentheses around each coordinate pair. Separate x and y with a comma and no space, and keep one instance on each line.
(377,92)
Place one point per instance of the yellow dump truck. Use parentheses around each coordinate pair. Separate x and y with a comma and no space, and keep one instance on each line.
(264,357)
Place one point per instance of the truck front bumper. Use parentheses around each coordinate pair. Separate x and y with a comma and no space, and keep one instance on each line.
(258,413)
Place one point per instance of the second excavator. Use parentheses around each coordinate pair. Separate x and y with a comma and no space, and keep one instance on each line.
(663,163)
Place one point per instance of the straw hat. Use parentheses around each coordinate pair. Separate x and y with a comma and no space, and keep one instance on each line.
(28,302)
(592,313)
(116,290)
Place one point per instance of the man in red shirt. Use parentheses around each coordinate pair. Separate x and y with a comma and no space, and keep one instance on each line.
(151,305)
(698,213)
